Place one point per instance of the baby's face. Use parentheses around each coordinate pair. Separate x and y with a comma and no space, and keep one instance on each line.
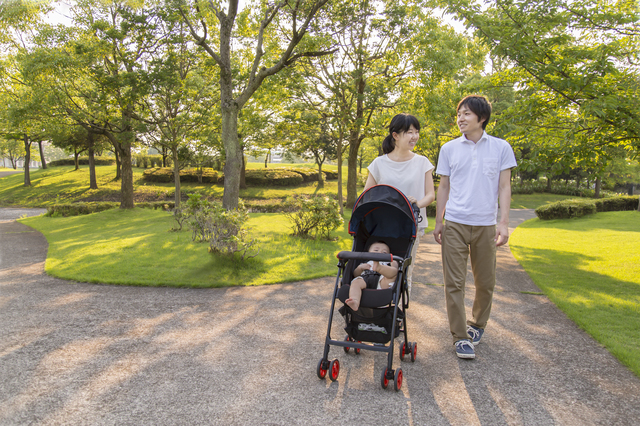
(379,248)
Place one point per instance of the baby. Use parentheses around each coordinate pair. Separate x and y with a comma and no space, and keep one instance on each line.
(372,275)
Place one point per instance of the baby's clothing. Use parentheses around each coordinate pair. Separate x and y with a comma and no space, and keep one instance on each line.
(372,278)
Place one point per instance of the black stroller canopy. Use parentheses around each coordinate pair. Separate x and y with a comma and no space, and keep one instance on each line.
(383,211)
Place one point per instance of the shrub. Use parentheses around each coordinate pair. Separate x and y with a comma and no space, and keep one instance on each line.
(77,209)
(83,161)
(308,174)
(616,204)
(222,228)
(317,215)
(566,209)
(165,174)
(330,174)
(272,177)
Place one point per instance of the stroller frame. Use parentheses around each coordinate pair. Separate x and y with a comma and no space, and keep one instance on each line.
(373,204)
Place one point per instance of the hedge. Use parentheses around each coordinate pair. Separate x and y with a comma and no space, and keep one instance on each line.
(575,208)
(83,161)
(76,209)
(272,177)
(165,174)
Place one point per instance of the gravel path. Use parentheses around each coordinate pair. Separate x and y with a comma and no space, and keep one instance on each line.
(90,354)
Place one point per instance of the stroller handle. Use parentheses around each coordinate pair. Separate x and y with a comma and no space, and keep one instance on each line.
(366,256)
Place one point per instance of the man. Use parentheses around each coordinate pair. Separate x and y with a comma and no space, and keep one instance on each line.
(475,172)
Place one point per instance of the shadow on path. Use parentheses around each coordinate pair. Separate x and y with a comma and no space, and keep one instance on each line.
(74,353)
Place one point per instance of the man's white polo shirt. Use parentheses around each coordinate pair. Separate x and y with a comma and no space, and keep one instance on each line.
(474,175)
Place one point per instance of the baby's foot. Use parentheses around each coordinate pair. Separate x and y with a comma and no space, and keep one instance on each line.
(353,303)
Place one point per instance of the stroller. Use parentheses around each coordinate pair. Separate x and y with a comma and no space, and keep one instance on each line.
(380,213)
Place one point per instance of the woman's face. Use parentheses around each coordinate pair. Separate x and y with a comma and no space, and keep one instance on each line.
(407,140)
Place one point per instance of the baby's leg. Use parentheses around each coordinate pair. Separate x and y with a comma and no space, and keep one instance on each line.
(385,282)
(355,293)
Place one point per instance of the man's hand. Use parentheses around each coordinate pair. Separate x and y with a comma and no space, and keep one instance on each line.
(502,235)
(437,232)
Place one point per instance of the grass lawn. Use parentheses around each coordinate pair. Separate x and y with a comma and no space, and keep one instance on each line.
(135,247)
(64,184)
(590,268)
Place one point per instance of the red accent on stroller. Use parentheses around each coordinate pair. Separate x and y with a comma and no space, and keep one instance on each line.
(382,213)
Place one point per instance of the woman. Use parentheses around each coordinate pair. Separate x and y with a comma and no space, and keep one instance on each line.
(405,170)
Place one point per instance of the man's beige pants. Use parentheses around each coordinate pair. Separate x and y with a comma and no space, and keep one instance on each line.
(458,242)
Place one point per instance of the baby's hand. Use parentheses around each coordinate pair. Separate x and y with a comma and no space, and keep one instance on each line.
(364,266)
(376,266)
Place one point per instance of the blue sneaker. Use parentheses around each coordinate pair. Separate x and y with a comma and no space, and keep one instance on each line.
(464,349)
(475,333)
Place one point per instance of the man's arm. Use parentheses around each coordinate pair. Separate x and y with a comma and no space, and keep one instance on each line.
(504,199)
(441,202)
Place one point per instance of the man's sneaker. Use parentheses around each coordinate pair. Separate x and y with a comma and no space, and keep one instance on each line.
(464,349)
(475,333)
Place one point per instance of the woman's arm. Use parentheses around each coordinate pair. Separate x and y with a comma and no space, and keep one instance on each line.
(370,182)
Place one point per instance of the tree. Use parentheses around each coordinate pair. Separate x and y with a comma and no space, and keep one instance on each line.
(181,95)
(309,135)
(384,49)
(576,67)
(275,33)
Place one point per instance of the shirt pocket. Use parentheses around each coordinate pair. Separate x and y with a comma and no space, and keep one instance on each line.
(490,167)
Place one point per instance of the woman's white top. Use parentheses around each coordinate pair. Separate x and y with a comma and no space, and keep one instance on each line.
(407,176)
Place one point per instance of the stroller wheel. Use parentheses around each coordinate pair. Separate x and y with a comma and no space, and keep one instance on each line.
(383,380)
(414,350)
(397,379)
(357,350)
(346,348)
(322,369)
(334,370)
(403,351)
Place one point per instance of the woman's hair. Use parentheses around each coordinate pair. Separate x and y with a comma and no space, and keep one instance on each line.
(399,124)
(479,105)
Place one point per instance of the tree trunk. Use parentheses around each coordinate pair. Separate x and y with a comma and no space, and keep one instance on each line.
(76,159)
(233,163)
(127,178)
(27,160)
(598,184)
(352,173)
(266,158)
(548,184)
(93,184)
(42,160)
(118,165)
(243,172)
(176,177)
(339,155)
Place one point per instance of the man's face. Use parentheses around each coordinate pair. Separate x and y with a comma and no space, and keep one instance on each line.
(379,248)
(468,121)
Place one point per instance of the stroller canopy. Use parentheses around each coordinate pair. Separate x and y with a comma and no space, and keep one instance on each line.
(383,211)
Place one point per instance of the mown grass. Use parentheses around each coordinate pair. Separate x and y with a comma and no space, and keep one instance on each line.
(590,268)
(135,247)
(64,184)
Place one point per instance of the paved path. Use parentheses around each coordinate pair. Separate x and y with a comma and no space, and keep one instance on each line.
(85,354)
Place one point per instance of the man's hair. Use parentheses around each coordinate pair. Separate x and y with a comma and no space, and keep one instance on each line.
(479,105)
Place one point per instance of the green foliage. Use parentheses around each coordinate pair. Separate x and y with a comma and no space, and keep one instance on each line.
(273,177)
(146,160)
(165,174)
(82,208)
(557,187)
(210,222)
(83,161)
(575,208)
(317,215)
(566,209)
